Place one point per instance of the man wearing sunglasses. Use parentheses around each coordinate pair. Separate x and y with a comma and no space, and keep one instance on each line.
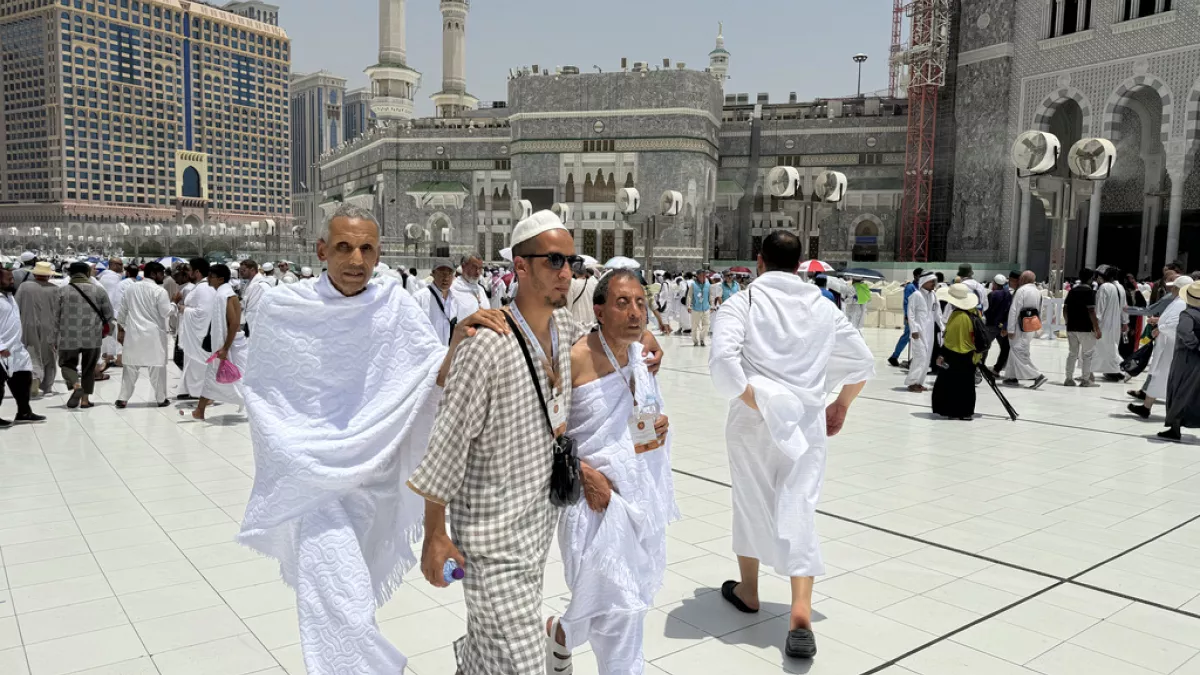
(491,456)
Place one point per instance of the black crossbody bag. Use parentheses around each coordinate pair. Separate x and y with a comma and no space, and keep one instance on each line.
(454,321)
(566,483)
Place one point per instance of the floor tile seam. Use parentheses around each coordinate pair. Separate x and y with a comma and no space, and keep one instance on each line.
(152,447)
(1058,579)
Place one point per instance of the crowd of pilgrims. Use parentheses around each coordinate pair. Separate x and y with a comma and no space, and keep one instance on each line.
(486,412)
(1117,328)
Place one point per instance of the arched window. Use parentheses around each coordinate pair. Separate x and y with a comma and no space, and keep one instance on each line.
(569,192)
(191,183)
(588,195)
(610,191)
(629,180)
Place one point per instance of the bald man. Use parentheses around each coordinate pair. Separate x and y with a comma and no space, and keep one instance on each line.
(1020,364)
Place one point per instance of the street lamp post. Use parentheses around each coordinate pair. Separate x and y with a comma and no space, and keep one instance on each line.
(860,59)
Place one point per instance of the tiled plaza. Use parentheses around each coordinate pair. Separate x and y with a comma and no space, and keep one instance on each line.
(1065,543)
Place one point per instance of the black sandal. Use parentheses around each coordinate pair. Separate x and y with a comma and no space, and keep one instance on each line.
(801,644)
(733,599)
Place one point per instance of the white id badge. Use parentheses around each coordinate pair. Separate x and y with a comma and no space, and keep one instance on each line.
(558,414)
(641,427)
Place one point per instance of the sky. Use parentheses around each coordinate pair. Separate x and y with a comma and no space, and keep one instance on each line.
(776,46)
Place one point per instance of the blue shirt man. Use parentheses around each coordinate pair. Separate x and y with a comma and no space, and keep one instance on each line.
(902,343)
(729,288)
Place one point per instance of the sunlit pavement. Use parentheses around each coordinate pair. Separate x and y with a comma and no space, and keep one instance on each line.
(1063,543)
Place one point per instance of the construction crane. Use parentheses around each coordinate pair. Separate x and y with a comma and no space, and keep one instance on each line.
(925,59)
(894,65)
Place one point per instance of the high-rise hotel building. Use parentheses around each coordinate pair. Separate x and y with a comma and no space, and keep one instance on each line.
(150,111)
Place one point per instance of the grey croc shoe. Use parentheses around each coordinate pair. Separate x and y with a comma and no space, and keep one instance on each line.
(801,644)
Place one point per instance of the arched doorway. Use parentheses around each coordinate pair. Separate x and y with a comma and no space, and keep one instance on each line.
(866,231)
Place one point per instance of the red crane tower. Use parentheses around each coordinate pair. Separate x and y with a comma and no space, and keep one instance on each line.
(926,57)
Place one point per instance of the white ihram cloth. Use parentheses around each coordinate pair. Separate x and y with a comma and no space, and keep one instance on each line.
(145,315)
(469,297)
(1110,312)
(18,360)
(615,560)
(197,305)
(1020,360)
(213,390)
(341,401)
(794,347)
(582,306)
(112,284)
(923,319)
(685,317)
(1164,350)
(252,299)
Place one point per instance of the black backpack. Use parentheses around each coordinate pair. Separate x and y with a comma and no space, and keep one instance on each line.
(983,333)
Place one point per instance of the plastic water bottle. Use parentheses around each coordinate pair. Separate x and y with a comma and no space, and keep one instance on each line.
(451,572)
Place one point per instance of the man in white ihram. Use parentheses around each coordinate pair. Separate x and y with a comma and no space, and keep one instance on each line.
(778,350)
(194,325)
(1020,358)
(469,296)
(144,319)
(923,320)
(341,400)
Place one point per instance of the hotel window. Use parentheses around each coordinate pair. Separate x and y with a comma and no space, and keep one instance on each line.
(1065,17)
(1137,9)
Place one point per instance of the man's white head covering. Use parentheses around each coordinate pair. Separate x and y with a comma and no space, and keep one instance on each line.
(538,223)
(306,272)
(268,267)
(1182,281)
(27,257)
(1000,279)
(926,279)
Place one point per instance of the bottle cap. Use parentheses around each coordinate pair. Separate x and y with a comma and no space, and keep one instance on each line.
(458,573)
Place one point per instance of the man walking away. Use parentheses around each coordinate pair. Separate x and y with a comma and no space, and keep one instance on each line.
(699,304)
(902,343)
(194,326)
(1183,386)
(144,320)
(923,319)
(1020,366)
(227,340)
(1083,329)
(83,311)
(1166,335)
(15,365)
(778,423)
(38,302)
(1110,311)
(996,317)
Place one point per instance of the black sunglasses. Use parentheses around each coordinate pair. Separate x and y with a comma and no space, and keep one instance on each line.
(557,260)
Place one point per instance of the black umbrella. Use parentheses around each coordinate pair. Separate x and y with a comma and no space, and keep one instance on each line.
(987,375)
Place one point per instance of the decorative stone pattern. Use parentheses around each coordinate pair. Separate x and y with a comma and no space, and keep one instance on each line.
(1159,57)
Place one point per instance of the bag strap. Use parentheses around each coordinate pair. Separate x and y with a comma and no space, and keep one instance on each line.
(532,372)
(89,302)
(433,291)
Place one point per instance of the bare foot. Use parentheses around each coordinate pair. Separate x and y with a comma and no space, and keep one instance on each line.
(750,601)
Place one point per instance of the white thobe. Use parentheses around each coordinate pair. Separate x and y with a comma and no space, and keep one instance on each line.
(1164,350)
(18,360)
(1110,312)
(1020,359)
(288,278)
(213,390)
(783,338)
(197,305)
(413,285)
(145,315)
(439,315)
(923,320)
(499,291)
(468,297)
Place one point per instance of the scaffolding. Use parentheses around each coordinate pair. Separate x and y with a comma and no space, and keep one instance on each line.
(926,59)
